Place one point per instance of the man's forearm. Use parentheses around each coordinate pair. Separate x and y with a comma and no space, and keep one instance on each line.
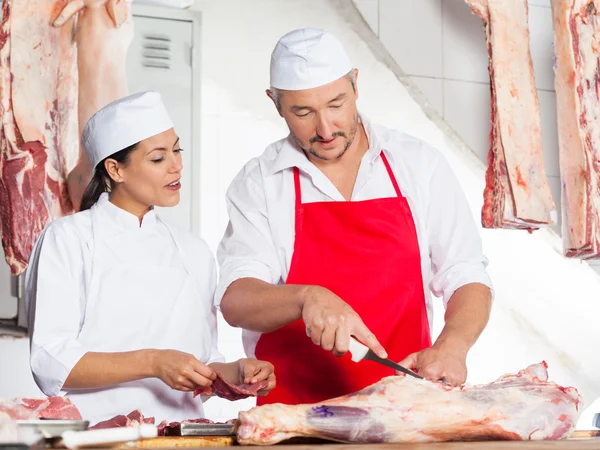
(255,305)
(466,316)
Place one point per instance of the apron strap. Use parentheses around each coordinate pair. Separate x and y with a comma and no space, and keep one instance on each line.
(387,166)
(297,187)
(391,174)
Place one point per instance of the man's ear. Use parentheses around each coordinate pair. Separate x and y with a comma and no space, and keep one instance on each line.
(274,100)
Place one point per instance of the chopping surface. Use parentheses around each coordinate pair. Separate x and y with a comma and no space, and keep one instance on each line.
(587,444)
(579,440)
(181,441)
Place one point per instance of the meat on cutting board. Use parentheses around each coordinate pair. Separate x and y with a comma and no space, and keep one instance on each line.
(130,420)
(577,48)
(39,408)
(136,417)
(517,194)
(522,406)
(221,388)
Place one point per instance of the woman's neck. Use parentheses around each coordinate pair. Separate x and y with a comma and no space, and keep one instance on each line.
(128,204)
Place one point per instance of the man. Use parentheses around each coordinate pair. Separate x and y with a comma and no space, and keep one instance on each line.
(342,229)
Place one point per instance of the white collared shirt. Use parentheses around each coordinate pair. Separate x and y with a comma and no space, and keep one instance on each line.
(259,239)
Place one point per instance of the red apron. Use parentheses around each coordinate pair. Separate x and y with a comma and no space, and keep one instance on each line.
(367,253)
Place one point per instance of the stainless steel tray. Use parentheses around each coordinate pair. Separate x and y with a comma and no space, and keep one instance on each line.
(201,429)
(49,429)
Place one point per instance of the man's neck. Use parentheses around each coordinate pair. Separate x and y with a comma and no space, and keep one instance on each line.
(342,172)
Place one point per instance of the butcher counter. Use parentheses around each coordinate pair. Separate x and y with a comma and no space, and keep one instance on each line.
(579,440)
(577,444)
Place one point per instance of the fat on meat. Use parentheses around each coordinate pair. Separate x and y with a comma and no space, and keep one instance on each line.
(521,406)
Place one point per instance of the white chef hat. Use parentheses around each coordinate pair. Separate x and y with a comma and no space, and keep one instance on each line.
(308,58)
(122,123)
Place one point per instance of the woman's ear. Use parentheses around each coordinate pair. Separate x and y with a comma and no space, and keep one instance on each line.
(113,170)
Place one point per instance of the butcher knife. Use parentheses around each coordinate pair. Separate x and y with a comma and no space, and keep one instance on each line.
(360,351)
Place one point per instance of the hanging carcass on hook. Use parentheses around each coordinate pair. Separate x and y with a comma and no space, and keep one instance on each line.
(576,25)
(517,194)
(60,61)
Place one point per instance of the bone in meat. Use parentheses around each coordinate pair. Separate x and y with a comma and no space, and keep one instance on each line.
(522,406)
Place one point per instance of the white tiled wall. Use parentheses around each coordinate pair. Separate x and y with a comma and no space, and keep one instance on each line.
(442,46)
(401,26)
(464,48)
(370,12)
(467,110)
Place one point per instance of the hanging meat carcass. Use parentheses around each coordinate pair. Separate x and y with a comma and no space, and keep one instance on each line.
(38,136)
(104,34)
(517,194)
(577,48)
(47,60)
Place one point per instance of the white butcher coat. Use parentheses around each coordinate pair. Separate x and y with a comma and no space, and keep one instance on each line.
(98,281)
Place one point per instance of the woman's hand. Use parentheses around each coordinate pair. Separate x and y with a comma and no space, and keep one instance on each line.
(252,371)
(181,371)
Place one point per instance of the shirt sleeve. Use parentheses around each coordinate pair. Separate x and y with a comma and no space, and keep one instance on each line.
(455,245)
(215,354)
(247,249)
(55,303)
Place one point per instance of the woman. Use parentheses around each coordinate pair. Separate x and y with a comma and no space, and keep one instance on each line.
(120,303)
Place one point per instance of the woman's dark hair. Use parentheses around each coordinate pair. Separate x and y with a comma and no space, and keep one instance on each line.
(101,181)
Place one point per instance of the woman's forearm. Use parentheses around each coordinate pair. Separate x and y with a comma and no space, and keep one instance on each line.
(97,370)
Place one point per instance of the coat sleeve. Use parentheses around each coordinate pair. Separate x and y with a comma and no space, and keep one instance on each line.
(55,302)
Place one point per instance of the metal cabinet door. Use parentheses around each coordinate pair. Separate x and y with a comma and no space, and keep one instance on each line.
(160,59)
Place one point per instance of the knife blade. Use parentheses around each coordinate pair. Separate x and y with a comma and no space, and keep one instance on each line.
(361,352)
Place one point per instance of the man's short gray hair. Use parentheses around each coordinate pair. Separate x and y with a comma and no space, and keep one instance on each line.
(276,93)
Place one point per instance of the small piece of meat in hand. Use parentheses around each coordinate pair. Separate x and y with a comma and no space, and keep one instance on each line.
(223,389)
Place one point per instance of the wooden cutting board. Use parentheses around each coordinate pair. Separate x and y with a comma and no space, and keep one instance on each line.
(181,441)
(585,434)
(228,441)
